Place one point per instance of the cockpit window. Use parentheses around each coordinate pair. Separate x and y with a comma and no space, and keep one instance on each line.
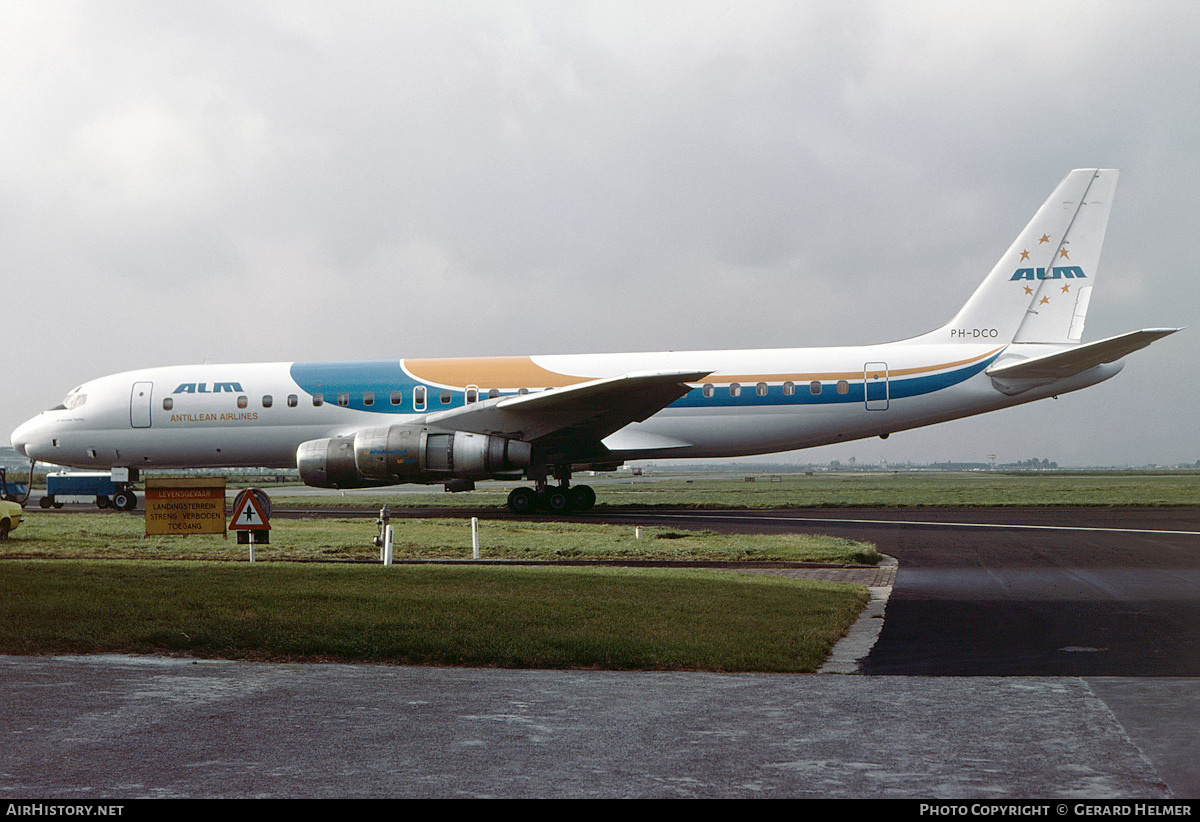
(73,401)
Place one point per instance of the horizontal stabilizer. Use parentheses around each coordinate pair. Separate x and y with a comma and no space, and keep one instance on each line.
(1076,359)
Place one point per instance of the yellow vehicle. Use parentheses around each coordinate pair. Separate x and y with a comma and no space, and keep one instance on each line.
(10,506)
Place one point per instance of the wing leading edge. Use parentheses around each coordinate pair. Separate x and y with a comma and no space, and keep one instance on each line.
(567,417)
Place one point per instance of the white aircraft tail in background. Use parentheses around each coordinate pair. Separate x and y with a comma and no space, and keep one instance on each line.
(456,421)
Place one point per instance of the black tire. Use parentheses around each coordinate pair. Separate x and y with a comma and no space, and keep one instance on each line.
(582,498)
(522,501)
(46,502)
(557,501)
(4,529)
(124,500)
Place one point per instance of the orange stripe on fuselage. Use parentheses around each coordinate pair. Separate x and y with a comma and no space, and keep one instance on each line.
(510,373)
(488,372)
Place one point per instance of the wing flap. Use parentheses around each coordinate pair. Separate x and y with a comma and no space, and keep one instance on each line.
(632,438)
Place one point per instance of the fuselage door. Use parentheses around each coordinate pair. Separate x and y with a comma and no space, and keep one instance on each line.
(139,404)
(875,380)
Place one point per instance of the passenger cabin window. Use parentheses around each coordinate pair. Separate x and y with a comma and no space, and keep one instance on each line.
(522,390)
(761,389)
(446,397)
(293,400)
(168,404)
(397,398)
(707,390)
(243,401)
(814,387)
(493,393)
(843,387)
(318,399)
(343,399)
(735,390)
(789,388)
(368,398)
(472,394)
(419,398)
(268,400)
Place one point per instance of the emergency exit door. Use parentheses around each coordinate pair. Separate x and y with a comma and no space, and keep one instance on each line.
(875,380)
(139,404)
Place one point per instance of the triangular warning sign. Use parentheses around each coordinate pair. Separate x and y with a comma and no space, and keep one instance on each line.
(248,514)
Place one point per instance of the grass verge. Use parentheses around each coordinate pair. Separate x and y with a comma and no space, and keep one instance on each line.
(548,617)
(112,535)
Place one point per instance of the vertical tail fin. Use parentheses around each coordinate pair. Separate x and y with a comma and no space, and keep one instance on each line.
(1039,290)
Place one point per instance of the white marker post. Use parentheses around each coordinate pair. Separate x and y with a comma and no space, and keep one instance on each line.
(388,541)
(474,537)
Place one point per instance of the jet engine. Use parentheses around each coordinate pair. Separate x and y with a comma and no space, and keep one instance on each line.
(396,454)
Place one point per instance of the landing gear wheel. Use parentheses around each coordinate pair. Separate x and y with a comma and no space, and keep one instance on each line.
(582,497)
(124,500)
(46,502)
(556,500)
(522,501)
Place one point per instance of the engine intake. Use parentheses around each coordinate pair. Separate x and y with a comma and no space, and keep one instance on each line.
(409,453)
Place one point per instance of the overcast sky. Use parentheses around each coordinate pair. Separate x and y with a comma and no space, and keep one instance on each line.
(241,181)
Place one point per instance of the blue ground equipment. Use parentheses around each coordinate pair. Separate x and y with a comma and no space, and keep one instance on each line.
(104,489)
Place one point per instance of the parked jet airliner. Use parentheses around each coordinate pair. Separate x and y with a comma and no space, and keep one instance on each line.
(455,421)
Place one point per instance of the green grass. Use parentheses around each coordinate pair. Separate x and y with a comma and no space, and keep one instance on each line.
(93,583)
(121,536)
(546,617)
(867,489)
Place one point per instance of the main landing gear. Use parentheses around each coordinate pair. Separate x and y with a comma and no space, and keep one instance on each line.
(557,499)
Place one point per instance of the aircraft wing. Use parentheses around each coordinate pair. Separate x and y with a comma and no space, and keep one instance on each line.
(575,418)
(1078,358)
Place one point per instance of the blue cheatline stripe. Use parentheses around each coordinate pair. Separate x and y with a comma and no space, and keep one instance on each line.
(898,388)
(382,377)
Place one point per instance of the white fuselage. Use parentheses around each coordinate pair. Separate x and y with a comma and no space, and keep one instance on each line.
(753,402)
(1018,338)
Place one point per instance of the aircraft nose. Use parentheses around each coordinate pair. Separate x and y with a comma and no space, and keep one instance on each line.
(22,436)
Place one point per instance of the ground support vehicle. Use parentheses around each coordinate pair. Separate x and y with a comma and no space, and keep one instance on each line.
(101,487)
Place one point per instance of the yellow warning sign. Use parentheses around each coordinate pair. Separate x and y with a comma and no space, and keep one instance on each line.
(191,505)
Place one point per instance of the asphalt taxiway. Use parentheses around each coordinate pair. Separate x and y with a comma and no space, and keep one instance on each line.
(1023,653)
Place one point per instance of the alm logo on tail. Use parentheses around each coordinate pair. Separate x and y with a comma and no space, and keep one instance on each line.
(1064,272)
